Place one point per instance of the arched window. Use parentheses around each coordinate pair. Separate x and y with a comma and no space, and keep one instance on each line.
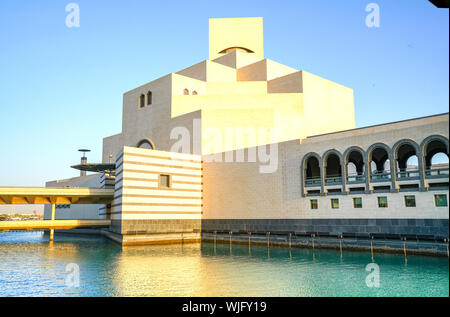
(333,172)
(149,98)
(312,168)
(236,48)
(407,161)
(312,171)
(186,91)
(142,101)
(355,163)
(436,157)
(194,92)
(146,144)
(380,166)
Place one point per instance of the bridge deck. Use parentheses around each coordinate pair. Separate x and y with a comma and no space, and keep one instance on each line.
(53,224)
(55,195)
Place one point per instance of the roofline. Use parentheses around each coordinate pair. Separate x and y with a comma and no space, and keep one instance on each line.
(379,125)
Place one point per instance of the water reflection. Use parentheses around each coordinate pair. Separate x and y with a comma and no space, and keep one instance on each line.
(30,266)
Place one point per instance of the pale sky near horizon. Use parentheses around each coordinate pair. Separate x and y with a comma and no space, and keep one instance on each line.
(61,88)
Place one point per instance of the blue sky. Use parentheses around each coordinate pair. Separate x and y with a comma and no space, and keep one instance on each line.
(61,88)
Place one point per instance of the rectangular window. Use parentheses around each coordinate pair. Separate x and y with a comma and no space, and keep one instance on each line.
(357,202)
(410,201)
(334,203)
(164,181)
(382,202)
(440,200)
(149,98)
(314,204)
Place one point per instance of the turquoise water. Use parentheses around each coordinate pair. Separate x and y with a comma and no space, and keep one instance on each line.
(31,266)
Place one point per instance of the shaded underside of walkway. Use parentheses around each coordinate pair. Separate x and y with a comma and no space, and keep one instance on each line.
(53,224)
(54,195)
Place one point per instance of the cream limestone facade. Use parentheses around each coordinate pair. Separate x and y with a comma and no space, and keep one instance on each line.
(245,193)
(235,90)
(191,155)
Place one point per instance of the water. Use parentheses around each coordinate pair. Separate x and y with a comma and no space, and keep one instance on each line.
(31,266)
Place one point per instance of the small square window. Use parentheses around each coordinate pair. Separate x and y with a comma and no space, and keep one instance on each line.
(410,201)
(440,200)
(314,204)
(334,203)
(357,202)
(382,202)
(164,181)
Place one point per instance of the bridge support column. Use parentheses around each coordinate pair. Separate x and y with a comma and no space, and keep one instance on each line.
(52,231)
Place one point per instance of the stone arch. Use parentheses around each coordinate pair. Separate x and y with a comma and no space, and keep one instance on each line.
(433,140)
(146,144)
(400,159)
(304,170)
(333,169)
(381,159)
(346,158)
(305,161)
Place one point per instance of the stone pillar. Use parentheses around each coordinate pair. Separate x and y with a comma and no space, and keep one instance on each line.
(344,177)
(52,231)
(393,170)
(303,177)
(422,174)
(367,172)
(322,177)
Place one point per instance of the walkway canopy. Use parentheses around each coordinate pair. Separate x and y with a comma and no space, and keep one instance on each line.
(54,195)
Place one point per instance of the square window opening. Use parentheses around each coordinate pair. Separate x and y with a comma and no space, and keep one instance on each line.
(357,202)
(382,202)
(410,201)
(440,200)
(164,181)
(334,203)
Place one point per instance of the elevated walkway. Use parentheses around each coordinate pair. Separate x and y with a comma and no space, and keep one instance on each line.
(54,195)
(53,224)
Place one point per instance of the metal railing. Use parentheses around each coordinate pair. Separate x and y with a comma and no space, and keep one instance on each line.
(436,173)
(333,180)
(356,179)
(408,174)
(311,182)
(384,176)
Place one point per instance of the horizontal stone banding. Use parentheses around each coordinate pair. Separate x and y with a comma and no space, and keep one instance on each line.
(177,189)
(160,157)
(159,212)
(156,196)
(166,173)
(163,165)
(157,204)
